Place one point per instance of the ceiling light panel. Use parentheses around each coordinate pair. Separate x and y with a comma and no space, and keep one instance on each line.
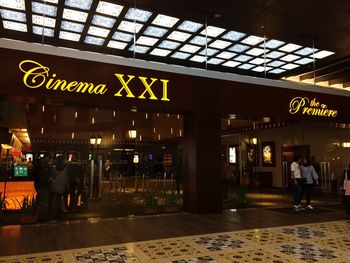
(169,44)
(220,44)
(122,36)
(139,49)
(52,1)
(323,54)
(261,69)
(180,55)
(117,44)
(231,64)
(215,61)
(44,9)
(226,55)
(147,41)
(43,21)
(14,4)
(155,31)
(212,31)
(304,61)
(12,15)
(190,26)
(197,58)
(136,14)
(14,26)
(289,47)
(273,43)
(71,14)
(306,51)
(160,52)
(199,40)
(130,26)
(179,36)
(209,52)
(97,31)
(259,61)
(165,21)
(109,8)
(80,4)
(252,40)
(233,35)
(242,58)
(289,57)
(71,26)
(275,54)
(190,48)
(246,66)
(255,51)
(290,66)
(104,21)
(94,40)
(277,71)
(69,36)
(47,31)
(276,63)
(239,48)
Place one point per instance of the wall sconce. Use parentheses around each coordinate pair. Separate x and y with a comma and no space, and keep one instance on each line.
(92,140)
(132,134)
(345,144)
(98,139)
(254,141)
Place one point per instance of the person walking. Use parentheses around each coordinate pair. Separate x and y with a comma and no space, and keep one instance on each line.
(346,188)
(298,182)
(309,174)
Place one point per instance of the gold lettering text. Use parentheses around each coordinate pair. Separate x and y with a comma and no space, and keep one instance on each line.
(147,88)
(124,86)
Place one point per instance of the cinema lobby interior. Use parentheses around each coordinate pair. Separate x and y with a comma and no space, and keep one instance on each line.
(174,131)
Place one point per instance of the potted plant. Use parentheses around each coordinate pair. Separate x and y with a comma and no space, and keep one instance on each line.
(150,204)
(28,213)
(171,203)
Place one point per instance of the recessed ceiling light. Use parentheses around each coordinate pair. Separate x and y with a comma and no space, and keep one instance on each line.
(246,66)
(80,4)
(226,55)
(255,51)
(117,44)
(275,54)
(220,44)
(231,64)
(190,26)
(44,9)
(109,8)
(47,31)
(243,58)
(233,35)
(212,31)
(147,41)
(215,61)
(252,40)
(304,61)
(94,40)
(103,21)
(261,69)
(72,26)
(69,36)
(290,47)
(71,14)
(160,52)
(15,4)
(122,36)
(306,51)
(12,15)
(139,49)
(289,57)
(97,31)
(197,58)
(180,55)
(276,63)
(155,31)
(169,44)
(14,26)
(272,43)
(259,61)
(323,54)
(52,1)
(165,21)
(290,66)
(130,27)
(136,14)
(277,71)
(190,48)
(209,52)
(198,40)
(43,21)
(179,36)
(239,48)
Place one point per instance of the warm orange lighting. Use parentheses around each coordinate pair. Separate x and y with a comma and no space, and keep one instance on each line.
(132,134)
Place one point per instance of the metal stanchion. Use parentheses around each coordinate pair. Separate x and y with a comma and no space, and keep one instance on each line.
(164,185)
(91,179)
(143,183)
(172,183)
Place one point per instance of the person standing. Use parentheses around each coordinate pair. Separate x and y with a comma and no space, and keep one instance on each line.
(298,182)
(309,174)
(346,188)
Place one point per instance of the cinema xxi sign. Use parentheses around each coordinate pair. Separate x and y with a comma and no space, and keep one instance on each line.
(38,76)
(307,106)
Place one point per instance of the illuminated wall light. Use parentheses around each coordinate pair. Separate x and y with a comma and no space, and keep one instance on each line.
(42,130)
(158,137)
(254,141)
(171,130)
(345,144)
(168,115)
(114,114)
(146,116)
(154,129)
(228,122)
(72,135)
(180,132)
(54,118)
(113,136)
(76,114)
(133,123)
(157,114)
(43,108)
(178,116)
(93,120)
(140,138)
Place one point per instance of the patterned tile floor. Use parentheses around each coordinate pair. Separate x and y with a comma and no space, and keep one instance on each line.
(317,242)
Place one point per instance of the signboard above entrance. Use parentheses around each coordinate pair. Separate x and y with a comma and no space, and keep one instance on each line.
(312,107)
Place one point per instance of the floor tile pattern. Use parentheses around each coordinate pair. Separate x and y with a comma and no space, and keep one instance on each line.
(317,242)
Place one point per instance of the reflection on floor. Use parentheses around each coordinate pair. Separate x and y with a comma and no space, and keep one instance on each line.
(316,242)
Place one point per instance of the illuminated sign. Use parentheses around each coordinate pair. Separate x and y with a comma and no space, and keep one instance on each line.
(38,76)
(306,106)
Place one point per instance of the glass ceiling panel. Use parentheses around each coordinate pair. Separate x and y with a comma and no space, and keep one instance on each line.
(15,4)
(109,8)
(12,15)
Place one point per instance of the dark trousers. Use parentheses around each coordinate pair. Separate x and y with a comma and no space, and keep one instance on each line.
(347,204)
(55,204)
(299,191)
(308,189)
(225,184)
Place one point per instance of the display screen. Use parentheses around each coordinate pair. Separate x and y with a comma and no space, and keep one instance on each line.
(232,154)
(136,158)
(29,157)
(20,170)
(267,154)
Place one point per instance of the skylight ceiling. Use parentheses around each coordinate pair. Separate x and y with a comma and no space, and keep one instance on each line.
(118,29)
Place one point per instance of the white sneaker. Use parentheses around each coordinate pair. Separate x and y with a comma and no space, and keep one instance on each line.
(296,208)
(310,207)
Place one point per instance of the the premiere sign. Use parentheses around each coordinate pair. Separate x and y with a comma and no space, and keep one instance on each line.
(312,107)
(38,76)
